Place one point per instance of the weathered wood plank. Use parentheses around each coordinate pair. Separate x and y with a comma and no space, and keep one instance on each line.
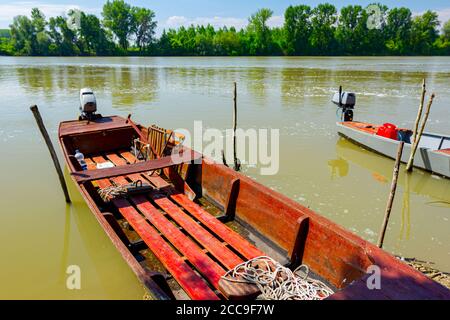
(232,238)
(89,175)
(212,244)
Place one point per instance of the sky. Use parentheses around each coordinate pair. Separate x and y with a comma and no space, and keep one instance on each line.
(175,13)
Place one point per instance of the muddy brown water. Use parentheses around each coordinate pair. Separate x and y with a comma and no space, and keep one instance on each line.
(40,236)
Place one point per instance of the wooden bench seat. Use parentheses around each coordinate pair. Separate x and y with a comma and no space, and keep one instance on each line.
(205,247)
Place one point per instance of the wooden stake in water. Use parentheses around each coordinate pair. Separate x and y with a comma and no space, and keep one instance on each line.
(46,137)
(409,166)
(237,164)
(391,194)
(419,112)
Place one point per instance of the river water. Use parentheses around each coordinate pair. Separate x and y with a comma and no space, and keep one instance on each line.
(40,236)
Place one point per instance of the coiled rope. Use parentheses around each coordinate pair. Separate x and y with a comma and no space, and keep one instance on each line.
(112,192)
(277,282)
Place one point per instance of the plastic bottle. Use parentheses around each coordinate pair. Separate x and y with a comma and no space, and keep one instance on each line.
(80,157)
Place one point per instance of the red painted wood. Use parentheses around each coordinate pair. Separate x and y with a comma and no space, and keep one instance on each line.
(84,126)
(204,264)
(212,244)
(116,159)
(127,155)
(89,175)
(156,180)
(192,283)
(228,235)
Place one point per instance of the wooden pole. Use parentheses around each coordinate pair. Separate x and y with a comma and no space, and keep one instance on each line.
(409,166)
(391,195)
(236,161)
(419,112)
(46,137)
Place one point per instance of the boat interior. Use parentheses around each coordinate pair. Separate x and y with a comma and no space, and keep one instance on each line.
(188,223)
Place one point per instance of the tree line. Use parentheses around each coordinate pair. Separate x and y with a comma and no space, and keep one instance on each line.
(322,30)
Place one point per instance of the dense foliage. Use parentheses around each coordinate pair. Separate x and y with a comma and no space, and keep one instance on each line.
(129,30)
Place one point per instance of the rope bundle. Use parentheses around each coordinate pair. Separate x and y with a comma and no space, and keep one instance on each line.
(277,282)
(112,192)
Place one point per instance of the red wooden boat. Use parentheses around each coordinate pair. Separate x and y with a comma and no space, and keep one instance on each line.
(201,219)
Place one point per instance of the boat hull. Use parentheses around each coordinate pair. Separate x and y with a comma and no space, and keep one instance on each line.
(272,221)
(434,161)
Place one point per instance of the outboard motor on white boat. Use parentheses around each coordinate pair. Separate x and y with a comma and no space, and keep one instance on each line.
(345,101)
(88,105)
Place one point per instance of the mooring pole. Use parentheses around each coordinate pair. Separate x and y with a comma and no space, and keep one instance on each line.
(46,137)
(391,194)
(419,111)
(236,161)
(409,165)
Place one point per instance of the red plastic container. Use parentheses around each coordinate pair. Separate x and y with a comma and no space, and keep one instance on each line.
(388,130)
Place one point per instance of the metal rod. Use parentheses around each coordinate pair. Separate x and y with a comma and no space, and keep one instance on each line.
(391,194)
(46,137)
(409,166)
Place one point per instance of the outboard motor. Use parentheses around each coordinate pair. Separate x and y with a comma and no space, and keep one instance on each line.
(346,101)
(88,105)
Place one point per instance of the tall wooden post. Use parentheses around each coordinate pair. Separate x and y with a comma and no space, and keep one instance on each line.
(236,161)
(391,194)
(419,112)
(409,166)
(46,137)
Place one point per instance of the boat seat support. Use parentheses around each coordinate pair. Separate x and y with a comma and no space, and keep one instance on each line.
(296,252)
(230,206)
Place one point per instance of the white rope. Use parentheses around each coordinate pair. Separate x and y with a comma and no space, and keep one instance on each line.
(277,282)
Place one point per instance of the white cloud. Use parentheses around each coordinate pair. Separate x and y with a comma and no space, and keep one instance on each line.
(9,10)
(443,15)
(275,21)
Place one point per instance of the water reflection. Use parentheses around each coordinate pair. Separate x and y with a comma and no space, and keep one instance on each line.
(419,182)
(338,167)
(128,87)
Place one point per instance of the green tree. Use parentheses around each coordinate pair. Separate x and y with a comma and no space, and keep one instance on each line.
(145,27)
(446,30)
(118,17)
(63,39)
(227,42)
(424,32)
(258,26)
(398,30)
(297,27)
(40,37)
(322,40)
(23,36)
(352,31)
(94,36)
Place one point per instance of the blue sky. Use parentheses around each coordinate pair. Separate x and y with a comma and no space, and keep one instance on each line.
(173,13)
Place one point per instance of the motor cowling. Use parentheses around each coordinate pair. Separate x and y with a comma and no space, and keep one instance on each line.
(345,101)
(88,105)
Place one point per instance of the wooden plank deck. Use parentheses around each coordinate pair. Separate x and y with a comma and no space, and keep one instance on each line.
(188,279)
(165,221)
